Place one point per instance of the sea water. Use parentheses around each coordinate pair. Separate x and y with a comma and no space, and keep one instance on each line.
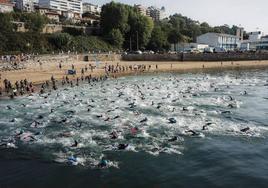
(37,133)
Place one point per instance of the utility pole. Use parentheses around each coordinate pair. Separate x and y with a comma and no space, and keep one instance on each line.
(137,40)
(130,44)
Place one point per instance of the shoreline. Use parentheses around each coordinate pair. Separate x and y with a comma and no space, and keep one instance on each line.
(39,74)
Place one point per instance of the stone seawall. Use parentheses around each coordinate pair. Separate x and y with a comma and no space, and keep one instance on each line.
(197,57)
(100,57)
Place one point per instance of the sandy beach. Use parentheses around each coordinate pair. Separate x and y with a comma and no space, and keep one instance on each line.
(37,74)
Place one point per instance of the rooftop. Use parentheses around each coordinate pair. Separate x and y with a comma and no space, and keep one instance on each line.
(5,2)
(223,35)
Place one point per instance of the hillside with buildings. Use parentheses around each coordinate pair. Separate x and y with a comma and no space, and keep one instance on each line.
(118,26)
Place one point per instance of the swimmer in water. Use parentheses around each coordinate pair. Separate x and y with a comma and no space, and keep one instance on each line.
(19,134)
(122,146)
(193,133)
(184,109)
(116,117)
(103,163)
(205,127)
(35,124)
(245,130)
(226,112)
(113,135)
(231,106)
(172,120)
(107,119)
(175,138)
(144,120)
(75,144)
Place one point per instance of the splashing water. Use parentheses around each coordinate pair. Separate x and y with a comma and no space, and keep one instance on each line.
(151,114)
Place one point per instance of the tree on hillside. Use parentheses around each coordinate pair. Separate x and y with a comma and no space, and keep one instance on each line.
(60,40)
(35,22)
(114,16)
(158,40)
(175,37)
(205,28)
(5,23)
(140,30)
(116,38)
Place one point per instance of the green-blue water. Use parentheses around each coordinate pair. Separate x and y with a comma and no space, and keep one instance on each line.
(221,155)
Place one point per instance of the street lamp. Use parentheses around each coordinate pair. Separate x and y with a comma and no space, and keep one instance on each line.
(137,40)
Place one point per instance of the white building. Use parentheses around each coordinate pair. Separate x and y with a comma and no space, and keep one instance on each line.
(50,14)
(252,42)
(263,44)
(25,5)
(67,7)
(94,9)
(219,40)
(141,9)
(5,6)
(156,13)
(254,36)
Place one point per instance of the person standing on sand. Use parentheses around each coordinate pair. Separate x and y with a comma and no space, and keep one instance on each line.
(60,66)
(156,66)
(40,64)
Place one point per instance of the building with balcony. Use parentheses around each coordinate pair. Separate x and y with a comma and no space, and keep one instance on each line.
(155,13)
(219,40)
(263,43)
(5,6)
(49,13)
(90,8)
(70,9)
(252,42)
(142,10)
(25,5)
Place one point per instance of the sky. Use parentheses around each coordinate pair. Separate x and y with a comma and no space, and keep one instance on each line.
(250,14)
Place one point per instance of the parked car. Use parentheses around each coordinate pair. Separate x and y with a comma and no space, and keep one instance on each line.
(135,52)
(208,50)
(219,50)
(148,52)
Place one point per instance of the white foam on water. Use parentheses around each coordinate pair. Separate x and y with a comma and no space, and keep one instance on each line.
(170,94)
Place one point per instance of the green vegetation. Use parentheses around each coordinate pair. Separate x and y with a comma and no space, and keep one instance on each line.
(122,27)
(34,41)
(116,38)
(127,22)
(139,32)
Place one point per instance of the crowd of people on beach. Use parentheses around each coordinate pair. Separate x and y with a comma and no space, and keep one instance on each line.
(19,88)
(22,87)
